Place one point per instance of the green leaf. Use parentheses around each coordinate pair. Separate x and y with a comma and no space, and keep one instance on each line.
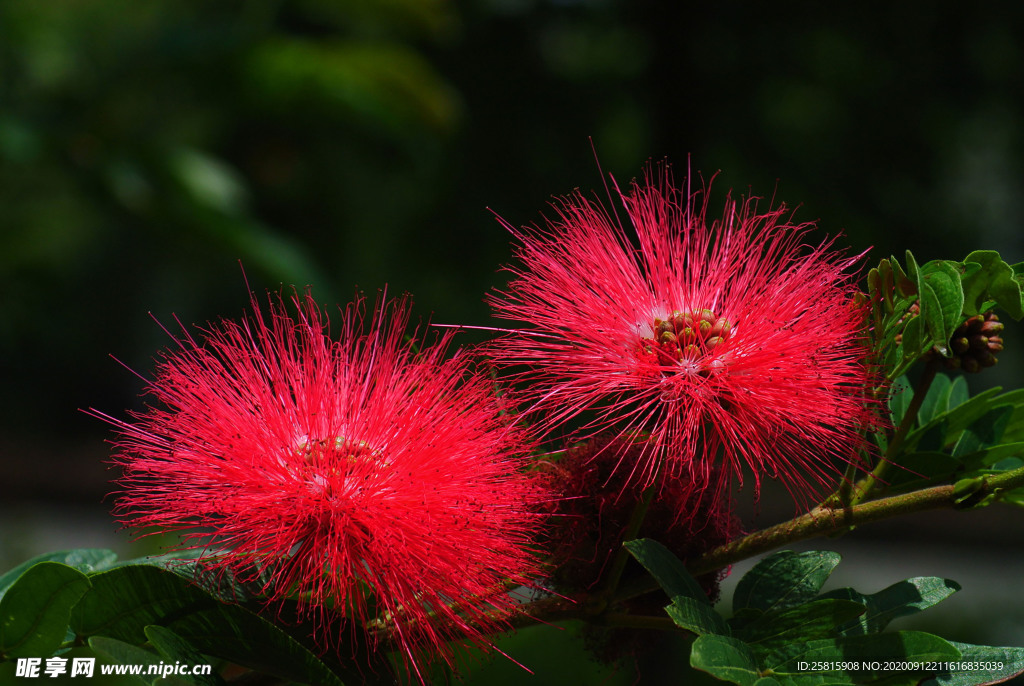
(125,600)
(237,635)
(912,342)
(667,569)
(936,400)
(957,418)
(696,616)
(942,277)
(886,284)
(725,658)
(876,288)
(986,431)
(176,649)
(958,394)
(784,579)
(34,614)
(900,395)
(1000,664)
(83,559)
(933,318)
(920,468)
(912,271)
(992,284)
(859,654)
(905,285)
(813,620)
(121,653)
(898,600)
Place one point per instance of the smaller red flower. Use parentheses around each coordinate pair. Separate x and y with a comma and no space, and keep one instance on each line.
(590,520)
(359,473)
(733,345)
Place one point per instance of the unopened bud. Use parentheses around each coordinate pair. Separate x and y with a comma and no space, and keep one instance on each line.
(714,342)
(987,359)
(974,323)
(960,344)
(721,328)
(978,342)
(992,327)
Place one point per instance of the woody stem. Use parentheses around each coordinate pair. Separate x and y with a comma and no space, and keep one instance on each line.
(825,520)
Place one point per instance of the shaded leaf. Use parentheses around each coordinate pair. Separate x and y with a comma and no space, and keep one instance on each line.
(121,653)
(905,285)
(784,579)
(912,339)
(125,600)
(992,284)
(725,658)
(176,649)
(696,616)
(943,278)
(936,400)
(813,620)
(667,569)
(944,429)
(898,600)
(858,654)
(34,614)
(983,432)
(921,468)
(958,394)
(997,665)
(933,320)
(900,395)
(85,560)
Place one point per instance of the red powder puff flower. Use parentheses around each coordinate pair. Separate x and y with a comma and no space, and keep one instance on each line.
(591,518)
(358,473)
(731,345)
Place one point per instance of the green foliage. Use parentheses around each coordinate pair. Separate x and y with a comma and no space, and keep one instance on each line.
(34,612)
(901,599)
(916,311)
(665,567)
(84,560)
(125,611)
(784,580)
(785,631)
(1004,664)
(956,437)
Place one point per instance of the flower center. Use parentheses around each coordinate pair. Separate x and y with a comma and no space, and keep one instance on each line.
(687,339)
(338,462)
(335,452)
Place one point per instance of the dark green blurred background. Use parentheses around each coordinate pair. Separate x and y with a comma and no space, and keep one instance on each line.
(147,147)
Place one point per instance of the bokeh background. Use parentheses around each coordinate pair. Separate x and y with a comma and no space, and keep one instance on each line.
(146,148)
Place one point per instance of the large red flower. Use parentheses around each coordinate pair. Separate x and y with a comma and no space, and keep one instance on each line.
(359,473)
(731,344)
